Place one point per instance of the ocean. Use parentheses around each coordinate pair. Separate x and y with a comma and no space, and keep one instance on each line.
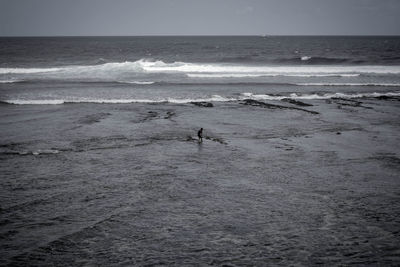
(185,69)
(100,162)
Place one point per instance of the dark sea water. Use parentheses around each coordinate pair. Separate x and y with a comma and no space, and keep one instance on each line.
(184,69)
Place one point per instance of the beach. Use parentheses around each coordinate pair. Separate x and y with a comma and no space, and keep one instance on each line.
(305,182)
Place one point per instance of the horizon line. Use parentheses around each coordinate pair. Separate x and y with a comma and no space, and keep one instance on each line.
(206,35)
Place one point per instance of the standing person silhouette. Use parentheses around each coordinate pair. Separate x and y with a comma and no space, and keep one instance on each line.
(200,135)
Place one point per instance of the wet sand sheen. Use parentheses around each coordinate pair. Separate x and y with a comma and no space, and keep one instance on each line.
(280,182)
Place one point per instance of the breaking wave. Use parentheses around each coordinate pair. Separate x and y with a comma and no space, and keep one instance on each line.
(213,98)
(106,67)
(248,75)
(137,82)
(11,81)
(318,96)
(145,66)
(350,84)
(27,70)
(305,58)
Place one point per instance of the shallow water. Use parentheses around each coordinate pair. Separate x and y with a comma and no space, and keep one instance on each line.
(126,184)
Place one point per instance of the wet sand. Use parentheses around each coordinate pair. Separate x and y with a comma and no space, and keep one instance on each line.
(273,183)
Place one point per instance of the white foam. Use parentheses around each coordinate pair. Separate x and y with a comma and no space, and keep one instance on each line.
(114,101)
(249,75)
(45,151)
(27,70)
(247,94)
(324,75)
(193,68)
(260,97)
(101,68)
(10,81)
(224,75)
(351,84)
(214,98)
(201,68)
(35,102)
(305,58)
(137,82)
(315,96)
(63,101)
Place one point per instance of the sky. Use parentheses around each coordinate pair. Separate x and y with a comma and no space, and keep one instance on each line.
(198,17)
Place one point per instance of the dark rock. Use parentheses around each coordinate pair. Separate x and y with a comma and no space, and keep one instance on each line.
(383,97)
(348,102)
(190,138)
(256,103)
(169,115)
(392,98)
(150,115)
(295,102)
(346,99)
(203,104)
(93,118)
(218,140)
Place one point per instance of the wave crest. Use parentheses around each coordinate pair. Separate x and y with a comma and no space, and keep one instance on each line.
(146,66)
(318,96)
(11,81)
(213,98)
(350,84)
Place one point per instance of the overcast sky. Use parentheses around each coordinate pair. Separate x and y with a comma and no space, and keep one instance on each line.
(199,17)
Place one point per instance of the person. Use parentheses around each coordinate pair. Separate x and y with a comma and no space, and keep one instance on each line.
(200,135)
